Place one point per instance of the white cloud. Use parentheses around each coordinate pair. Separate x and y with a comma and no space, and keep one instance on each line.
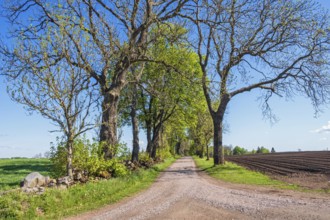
(324,128)
(323,139)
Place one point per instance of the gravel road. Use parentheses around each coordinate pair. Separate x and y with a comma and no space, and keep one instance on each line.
(184,192)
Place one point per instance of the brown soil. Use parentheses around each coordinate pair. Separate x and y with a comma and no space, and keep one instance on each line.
(184,192)
(286,163)
(307,180)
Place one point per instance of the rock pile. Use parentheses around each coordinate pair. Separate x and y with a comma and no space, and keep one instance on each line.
(80,176)
(36,183)
(130,165)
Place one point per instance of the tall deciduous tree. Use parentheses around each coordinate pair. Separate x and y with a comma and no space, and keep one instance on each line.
(62,93)
(274,46)
(167,87)
(130,116)
(135,122)
(106,38)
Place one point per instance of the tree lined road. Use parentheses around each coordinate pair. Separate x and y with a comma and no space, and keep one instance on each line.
(184,192)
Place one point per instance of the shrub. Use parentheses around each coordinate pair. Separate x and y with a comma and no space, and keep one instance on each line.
(58,158)
(118,169)
(145,160)
(239,150)
(88,158)
(163,153)
(262,150)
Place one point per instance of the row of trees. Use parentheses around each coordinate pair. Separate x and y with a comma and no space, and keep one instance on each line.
(260,150)
(230,150)
(168,67)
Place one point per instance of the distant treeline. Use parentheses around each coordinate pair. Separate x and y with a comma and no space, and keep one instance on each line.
(14,158)
(237,150)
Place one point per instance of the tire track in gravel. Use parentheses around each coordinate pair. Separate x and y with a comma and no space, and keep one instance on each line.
(181,193)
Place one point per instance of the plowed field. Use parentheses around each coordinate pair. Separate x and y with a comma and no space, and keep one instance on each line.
(286,163)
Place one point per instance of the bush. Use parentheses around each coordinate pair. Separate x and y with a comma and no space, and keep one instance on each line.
(118,169)
(145,160)
(239,150)
(87,158)
(163,153)
(58,158)
(262,150)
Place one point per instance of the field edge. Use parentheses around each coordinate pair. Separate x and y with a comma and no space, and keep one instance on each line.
(236,174)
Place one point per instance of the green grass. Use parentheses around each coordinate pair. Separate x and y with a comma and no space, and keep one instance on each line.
(13,171)
(56,204)
(233,173)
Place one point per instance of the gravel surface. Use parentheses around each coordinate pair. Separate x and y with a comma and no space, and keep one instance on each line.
(184,192)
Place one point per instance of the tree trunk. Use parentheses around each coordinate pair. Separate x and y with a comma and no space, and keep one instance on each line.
(177,147)
(155,142)
(217,118)
(207,153)
(202,152)
(69,167)
(108,132)
(155,145)
(217,142)
(148,122)
(148,125)
(135,126)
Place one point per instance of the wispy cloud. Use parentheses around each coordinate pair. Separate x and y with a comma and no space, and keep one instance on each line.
(323,139)
(3,135)
(323,129)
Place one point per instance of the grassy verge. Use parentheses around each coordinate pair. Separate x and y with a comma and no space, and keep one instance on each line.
(233,173)
(12,171)
(55,204)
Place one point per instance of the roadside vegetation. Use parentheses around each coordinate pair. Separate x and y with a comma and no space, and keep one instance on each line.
(55,203)
(233,173)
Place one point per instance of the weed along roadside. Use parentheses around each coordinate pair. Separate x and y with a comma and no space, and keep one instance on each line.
(55,203)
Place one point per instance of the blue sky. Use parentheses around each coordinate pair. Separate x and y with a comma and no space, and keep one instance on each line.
(26,135)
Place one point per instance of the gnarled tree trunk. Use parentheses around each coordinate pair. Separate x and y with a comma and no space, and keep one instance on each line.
(155,141)
(108,132)
(155,146)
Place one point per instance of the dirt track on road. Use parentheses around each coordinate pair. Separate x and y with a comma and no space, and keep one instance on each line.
(184,192)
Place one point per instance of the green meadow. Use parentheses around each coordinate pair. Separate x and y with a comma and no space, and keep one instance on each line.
(13,171)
